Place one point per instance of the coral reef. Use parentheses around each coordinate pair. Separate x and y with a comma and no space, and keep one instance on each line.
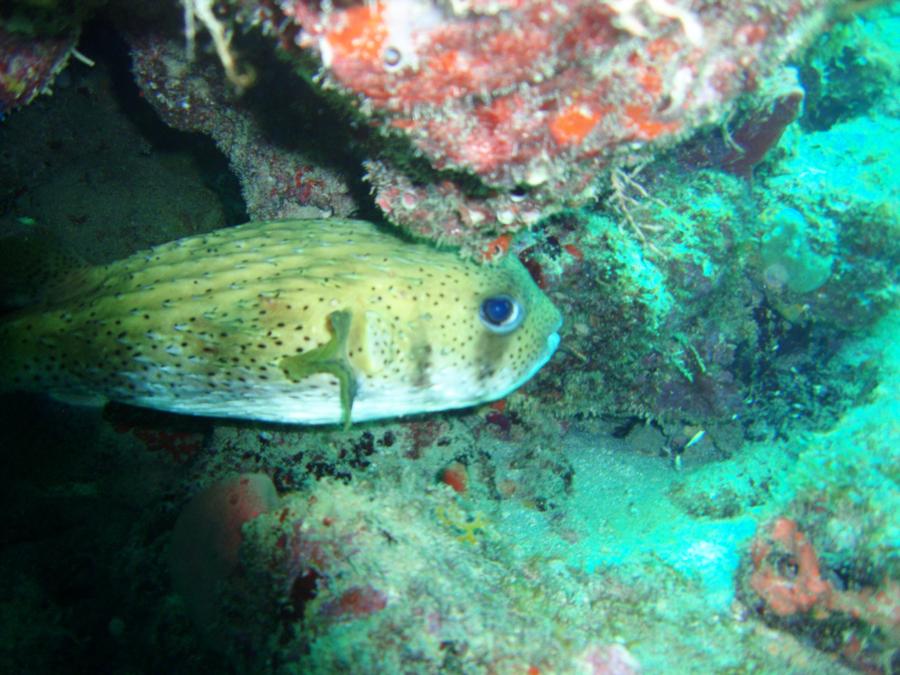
(517,106)
(824,564)
(827,567)
(705,476)
(850,70)
(473,120)
(281,175)
(710,300)
(481,118)
(36,41)
(801,588)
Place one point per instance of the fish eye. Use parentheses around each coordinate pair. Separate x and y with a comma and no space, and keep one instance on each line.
(501,314)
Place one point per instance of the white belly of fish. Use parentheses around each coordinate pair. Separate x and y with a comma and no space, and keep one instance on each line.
(316,400)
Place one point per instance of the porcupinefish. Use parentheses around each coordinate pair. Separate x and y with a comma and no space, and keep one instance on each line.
(303,321)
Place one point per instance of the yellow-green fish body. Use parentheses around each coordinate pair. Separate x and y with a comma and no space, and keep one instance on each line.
(305,321)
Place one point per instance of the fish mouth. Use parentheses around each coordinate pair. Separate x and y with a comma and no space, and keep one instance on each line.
(553,338)
(552,343)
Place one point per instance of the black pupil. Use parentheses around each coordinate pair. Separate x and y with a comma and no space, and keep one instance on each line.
(497,310)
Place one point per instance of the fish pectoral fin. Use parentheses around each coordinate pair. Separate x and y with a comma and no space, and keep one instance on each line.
(330,358)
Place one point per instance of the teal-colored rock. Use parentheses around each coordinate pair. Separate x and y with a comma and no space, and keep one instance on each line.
(788,255)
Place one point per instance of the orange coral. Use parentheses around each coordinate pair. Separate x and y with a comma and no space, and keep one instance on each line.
(794,584)
(360,33)
(573,124)
(498,247)
(784,594)
(456,475)
(640,118)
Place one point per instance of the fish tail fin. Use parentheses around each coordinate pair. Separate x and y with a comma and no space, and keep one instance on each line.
(37,268)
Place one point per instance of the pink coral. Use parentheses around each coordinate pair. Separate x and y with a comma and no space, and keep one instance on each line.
(206,542)
(610,659)
(207,536)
